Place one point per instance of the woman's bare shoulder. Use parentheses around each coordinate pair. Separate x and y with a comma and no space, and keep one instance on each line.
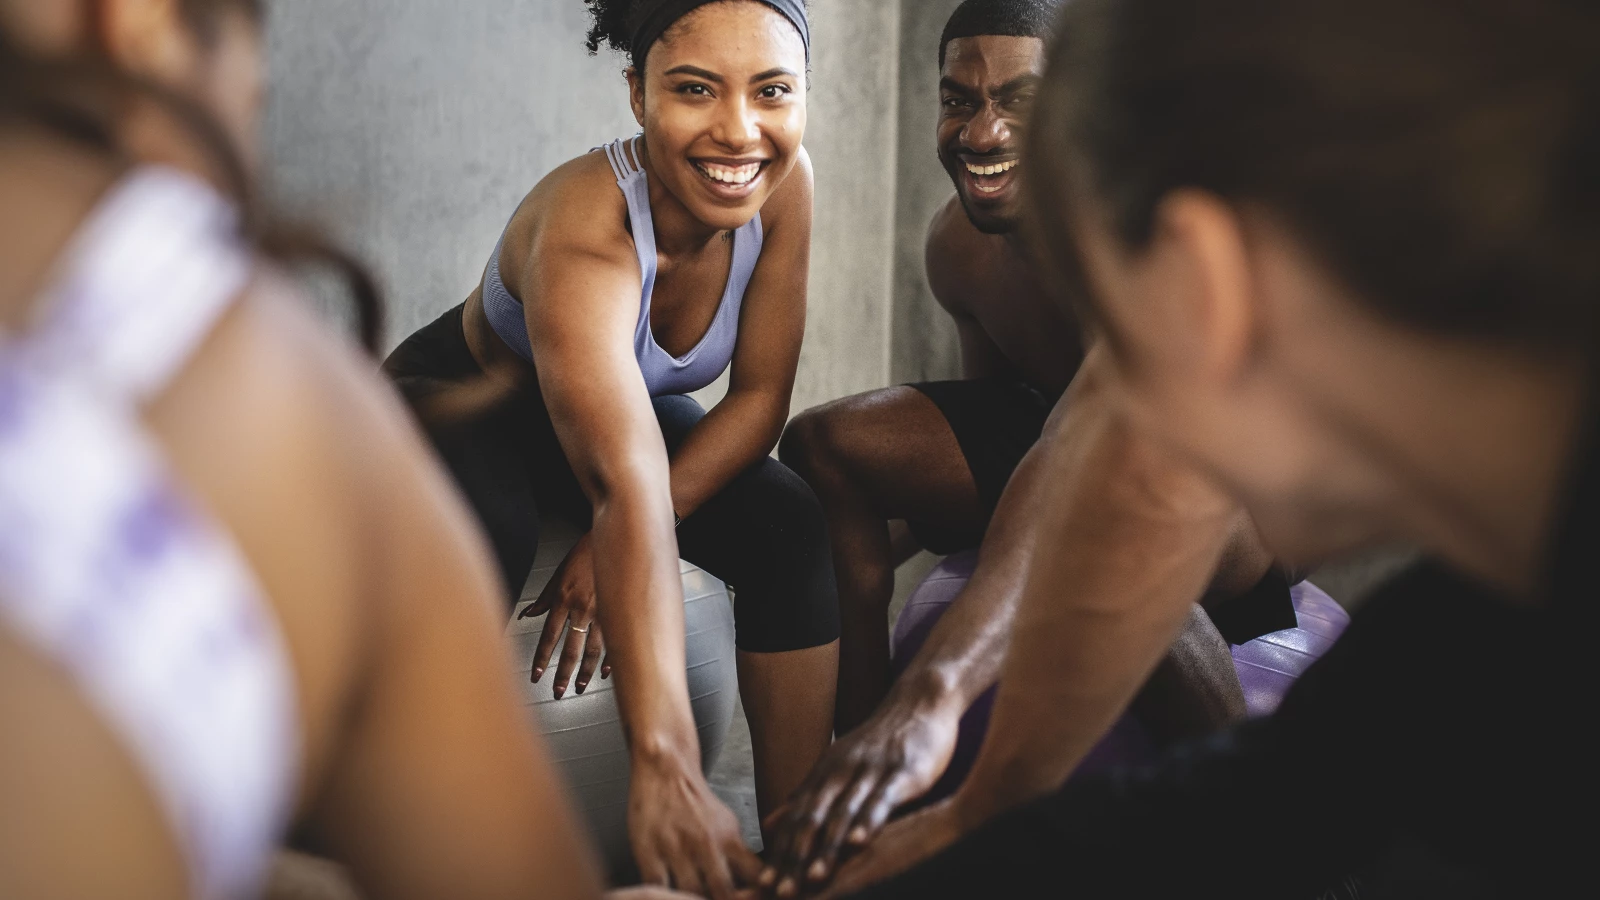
(575,212)
(578,199)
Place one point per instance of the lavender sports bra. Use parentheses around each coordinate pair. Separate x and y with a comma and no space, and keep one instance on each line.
(663,373)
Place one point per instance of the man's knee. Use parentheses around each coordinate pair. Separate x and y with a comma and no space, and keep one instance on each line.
(827,442)
(809,443)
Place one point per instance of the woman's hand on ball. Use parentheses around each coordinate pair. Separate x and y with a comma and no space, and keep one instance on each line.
(682,834)
(570,601)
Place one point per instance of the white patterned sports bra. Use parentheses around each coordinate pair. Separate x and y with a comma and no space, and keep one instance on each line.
(109,568)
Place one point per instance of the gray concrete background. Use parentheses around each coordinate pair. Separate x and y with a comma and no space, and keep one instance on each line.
(923,340)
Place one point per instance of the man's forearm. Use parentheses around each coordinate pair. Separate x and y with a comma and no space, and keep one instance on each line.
(1126,542)
(962,656)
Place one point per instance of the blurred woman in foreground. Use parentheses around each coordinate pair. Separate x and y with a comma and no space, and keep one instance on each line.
(235,593)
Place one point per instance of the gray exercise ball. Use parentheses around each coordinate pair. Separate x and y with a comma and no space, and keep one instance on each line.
(583,732)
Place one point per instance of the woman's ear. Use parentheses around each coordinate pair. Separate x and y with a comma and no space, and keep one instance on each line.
(1206,267)
(145,37)
(635,92)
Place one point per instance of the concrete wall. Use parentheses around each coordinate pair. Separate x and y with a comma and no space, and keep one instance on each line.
(412,128)
(923,346)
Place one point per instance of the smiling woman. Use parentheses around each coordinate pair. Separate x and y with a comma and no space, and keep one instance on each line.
(625,280)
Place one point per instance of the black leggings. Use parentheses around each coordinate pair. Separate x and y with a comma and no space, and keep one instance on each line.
(763,533)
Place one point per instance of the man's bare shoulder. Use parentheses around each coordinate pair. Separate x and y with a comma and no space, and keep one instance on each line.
(954,253)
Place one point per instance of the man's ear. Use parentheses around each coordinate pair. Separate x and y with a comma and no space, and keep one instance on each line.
(145,37)
(1208,269)
(635,92)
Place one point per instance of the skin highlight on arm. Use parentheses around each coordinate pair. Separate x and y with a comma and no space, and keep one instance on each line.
(1141,537)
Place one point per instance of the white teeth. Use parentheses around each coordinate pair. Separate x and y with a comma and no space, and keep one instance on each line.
(997,169)
(730,174)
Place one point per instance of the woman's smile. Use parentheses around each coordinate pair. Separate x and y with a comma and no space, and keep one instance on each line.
(732,179)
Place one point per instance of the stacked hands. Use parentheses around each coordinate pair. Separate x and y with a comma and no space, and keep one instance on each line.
(828,840)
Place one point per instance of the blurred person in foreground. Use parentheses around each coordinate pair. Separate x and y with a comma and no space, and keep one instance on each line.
(236,595)
(1345,258)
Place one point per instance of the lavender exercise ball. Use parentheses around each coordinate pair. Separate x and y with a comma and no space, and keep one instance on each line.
(1267,667)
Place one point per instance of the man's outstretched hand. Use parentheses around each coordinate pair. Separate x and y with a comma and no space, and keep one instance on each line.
(902,845)
(891,759)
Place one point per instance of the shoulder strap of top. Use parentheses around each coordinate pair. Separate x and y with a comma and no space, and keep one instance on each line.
(142,285)
(628,165)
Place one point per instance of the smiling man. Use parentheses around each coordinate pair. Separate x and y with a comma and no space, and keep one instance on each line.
(938,455)
(1091,540)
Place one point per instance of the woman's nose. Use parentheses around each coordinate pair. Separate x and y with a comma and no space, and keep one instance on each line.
(737,127)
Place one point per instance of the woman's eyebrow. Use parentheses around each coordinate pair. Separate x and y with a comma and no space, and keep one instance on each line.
(695,71)
(709,75)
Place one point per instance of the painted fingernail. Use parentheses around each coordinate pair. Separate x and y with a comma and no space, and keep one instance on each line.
(538,674)
(818,871)
(559,691)
(582,685)
(858,835)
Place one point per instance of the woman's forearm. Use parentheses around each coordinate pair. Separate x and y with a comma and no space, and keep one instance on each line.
(732,437)
(641,613)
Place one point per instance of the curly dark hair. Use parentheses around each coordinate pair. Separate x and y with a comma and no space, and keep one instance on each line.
(613,24)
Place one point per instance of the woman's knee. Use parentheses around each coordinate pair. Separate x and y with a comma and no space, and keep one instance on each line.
(786,595)
(789,513)
(677,415)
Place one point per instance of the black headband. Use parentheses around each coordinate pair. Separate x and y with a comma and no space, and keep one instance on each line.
(659,15)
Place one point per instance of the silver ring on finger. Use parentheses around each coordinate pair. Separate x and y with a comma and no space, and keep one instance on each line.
(578,630)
